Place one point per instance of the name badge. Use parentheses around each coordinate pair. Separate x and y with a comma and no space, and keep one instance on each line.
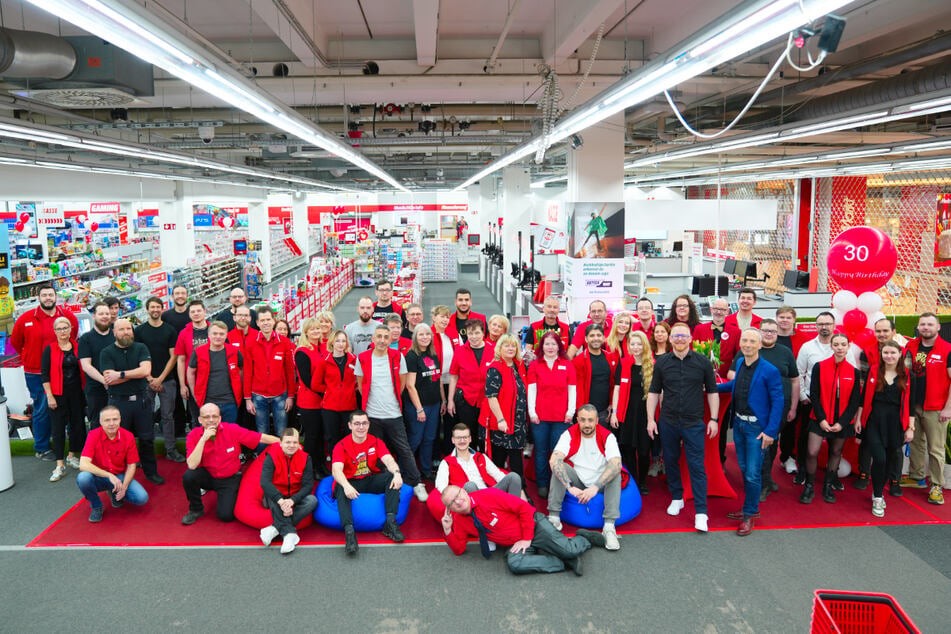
(625,380)
(278,357)
(229,450)
(132,398)
(561,367)
(495,520)
(232,366)
(28,324)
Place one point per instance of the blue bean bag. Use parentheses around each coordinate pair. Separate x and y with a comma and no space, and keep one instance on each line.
(369,514)
(591,515)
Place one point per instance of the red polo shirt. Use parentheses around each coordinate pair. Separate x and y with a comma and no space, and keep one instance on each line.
(471,373)
(360,460)
(221,456)
(578,341)
(551,391)
(111,455)
(269,366)
(33,331)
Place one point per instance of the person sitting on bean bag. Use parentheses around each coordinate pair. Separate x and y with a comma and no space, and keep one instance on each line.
(287,479)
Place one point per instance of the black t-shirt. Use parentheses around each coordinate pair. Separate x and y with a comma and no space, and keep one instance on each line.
(70,368)
(177,320)
(426,367)
(91,345)
(122,360)
(534,335)
(478,354)
(784,340)
(219,379)
(784,360)
(159,340)
(918,374)
(199,337)
(600,393)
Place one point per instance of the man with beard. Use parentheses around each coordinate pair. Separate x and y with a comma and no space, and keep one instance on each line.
(177,315)
(229,315)
(360,332)
(193,335)
(159,338)
(456,330)
(90,346)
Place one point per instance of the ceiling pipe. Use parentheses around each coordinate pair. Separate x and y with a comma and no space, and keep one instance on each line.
(29,54)
(490,63)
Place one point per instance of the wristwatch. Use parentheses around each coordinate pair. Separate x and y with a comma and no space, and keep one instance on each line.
(122,374)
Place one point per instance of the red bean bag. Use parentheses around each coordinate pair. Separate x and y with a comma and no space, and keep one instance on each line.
(250,508)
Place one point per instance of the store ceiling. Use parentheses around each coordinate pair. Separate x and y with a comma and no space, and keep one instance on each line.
(435,114)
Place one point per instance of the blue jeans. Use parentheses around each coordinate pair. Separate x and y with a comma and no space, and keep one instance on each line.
(229,411)
(693,441)
(749,454)
(90,485)
(423,435)
(41,413)
(546,437)
(267,407)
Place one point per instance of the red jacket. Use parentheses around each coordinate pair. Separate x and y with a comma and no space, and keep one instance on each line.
(366,365)
(507,519)
(339,389)
(870,394)
(33,331)
(403,345)
(471,373)
(186,342)
(582,363)
(637,325)
(203,360)
(601,435)
(239,340)
(729,343)
(56,368)
(506,397)
(452,329)
(835,377)
(287,473)
(269,366)
(798,337)
(539,329)
(936,372)
(458,477)
(754,321)
(578,340)
(307,396)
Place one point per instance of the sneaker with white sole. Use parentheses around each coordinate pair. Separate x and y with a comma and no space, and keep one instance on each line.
(790,465)
(72,462)
(676,506)
(610,538)
(58,473)
(555,521)
(492,546)
(268,533)
(420,491)
(290,543)
(700,522)
(656,468)
(878,507)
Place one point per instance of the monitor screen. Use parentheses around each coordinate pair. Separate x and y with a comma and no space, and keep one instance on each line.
(740,268)
(796,279)
(709,286)
(751,270)
(473,239)
(678,246)
(729,266)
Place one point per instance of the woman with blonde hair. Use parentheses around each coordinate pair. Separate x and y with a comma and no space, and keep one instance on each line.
(616,342)
(326,322)
(335,379)
(307,358)
(632,379)
(504,413)
(497,325)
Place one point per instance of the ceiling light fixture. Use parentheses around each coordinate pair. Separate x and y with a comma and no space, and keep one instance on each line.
(135,29)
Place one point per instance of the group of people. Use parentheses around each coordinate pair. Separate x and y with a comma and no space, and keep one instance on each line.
(620,397)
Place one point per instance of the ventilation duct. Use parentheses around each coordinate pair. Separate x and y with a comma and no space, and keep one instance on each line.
(28,54)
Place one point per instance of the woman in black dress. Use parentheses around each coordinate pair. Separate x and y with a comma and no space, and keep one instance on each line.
(63,381)
(505,413)
(632,378)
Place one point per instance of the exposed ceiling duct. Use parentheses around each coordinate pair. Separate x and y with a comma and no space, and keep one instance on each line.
(28,54)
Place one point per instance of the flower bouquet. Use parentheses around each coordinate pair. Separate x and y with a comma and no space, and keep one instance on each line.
(710,349)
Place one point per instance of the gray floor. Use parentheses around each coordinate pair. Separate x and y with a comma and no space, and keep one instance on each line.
(674,582)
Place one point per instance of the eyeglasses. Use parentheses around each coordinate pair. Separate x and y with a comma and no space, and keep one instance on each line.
(769,332)
(681,337)
(360,423)
(825,324)
(62,328)
(461,438)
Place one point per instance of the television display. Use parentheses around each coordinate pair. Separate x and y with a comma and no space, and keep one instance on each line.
(796,279)
(751,270)
(678,246)
(740,269)
(708,285)
(729,266)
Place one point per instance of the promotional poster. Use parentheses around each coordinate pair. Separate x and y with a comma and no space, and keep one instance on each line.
(596,230)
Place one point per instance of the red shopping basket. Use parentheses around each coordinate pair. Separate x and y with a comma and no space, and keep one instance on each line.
(839,611)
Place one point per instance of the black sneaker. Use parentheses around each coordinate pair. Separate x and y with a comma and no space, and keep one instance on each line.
(861,482)
(95,514)
(894,489)
(155,479)
(46,456)
(116,504)
(351,540)
(642,488)
(594,538)
(836,483)
(574,565)
(828,493)
(191,517)
(392,532)
(799,478)
(174,455)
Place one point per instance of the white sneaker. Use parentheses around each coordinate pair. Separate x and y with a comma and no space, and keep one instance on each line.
(492,546)
(610,538)
(878,507)
(700,522)
(790,465)
(203,492)
(555,521)
(421,493)
(290,543)
(72,462)
(676,506)
(58,473)
(268,533)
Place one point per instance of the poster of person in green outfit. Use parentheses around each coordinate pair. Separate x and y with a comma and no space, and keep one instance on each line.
(596,230)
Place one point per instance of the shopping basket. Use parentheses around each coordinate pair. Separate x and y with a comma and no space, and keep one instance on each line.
(840,611)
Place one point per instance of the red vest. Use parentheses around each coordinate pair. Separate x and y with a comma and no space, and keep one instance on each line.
(203,361)
(366,364)
(835,377)
(506,397)
(458,477)
(870,394)
(936,372)
(582,363)
(287,473)
(340,390)
(729,343)
(452,329)
(539,329)
(626,385)
(601,437)
(239,340)
(56,367)
(307,398)
(471,374)
(403,345)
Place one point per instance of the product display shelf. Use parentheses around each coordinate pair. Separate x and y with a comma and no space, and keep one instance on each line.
(283,259)
(439,261)
(328,282)
(364,256)
(209,281)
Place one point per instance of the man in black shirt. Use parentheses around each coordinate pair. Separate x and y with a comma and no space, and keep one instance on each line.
(595,373)
(159,338)
(126,367)
(177,315)
(682,377)
(384,304)
(90,346)
(237,297)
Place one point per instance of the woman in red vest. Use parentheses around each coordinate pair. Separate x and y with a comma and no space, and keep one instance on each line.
(505,410)
(470,361)
(616,343)
(307,358)
(660,342)
(552,400)
(335,381)
(885,418)
(63,382)
(326,322)
(498,325)
(632,378)
(835,392)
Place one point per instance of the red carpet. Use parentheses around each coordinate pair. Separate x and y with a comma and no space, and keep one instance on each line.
(158,523)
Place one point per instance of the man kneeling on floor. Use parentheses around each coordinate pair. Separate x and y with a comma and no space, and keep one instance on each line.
(504,519)
(108,464)
(287,479)
(467,468)
(585,462)
(356,469)
(213,458)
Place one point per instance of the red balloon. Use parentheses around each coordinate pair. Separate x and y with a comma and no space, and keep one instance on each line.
(864,339)
(19,226)
(862,259)
(854,321)
(24,217)
(94,226)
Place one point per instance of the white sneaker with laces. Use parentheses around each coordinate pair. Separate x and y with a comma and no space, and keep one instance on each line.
(610,538)
(790,465)
(421,493)
(878,507)
(700,522)
(58,473)
(492,546)
(268,533)
(676,506)
(72,462)
(555,521)
(290,543)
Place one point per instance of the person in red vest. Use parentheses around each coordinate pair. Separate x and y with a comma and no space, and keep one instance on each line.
(549,322)
(615,344)
(467,378)
(287,479)
(719,330)
(595,373)
(587,461)
(457,329)
(32,333)
(789,335)
(684,311)
(930,358)
(213,459)
(497,325)
(835,391)
(309,355)
(646,318)
(632,378)
(214,373)
(598,314)
(381,374)
(63,381)
(744,317)
(334,379)
(269,378)
(397,341)
(384,304)
(505,408)
(471,470)
(238,337)
(193,335)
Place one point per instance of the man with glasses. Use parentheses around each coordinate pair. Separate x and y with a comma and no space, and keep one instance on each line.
(414,317)
(720,331)
(384,304)
(646,318)
(237,298)
(598,313)
(471,470)
(683,377)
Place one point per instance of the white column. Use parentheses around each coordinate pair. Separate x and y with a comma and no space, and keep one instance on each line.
(516,204)
(596,169)
(176,233)
(258,230)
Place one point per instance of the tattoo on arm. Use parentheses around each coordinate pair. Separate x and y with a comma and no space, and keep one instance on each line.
(611,471)
(558,469)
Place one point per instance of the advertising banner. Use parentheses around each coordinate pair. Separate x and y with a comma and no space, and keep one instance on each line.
(590,279)
(207,216)
(52,216)
(596,230)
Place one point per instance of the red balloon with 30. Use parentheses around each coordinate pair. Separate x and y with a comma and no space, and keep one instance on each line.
(862,259)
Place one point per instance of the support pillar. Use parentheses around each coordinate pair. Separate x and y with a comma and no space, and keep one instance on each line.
(517,205)
(596,169)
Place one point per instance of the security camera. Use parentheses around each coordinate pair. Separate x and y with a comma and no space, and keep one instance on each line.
(206,133)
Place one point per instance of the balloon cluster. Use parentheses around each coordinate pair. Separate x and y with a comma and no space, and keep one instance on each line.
(21,222)
(226,222)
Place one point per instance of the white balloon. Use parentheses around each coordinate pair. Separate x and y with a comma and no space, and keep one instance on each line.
(839,316)
(875,317)
(844,468)
(844,301)
(869,303)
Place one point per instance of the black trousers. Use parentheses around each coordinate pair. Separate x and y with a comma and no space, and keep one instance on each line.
(392,431)
(137,418)
(373,483)
(68,415)
(335,427)
(312,426)
(514,457)
(549,550)
(194,480)
(96,399)
(468,414)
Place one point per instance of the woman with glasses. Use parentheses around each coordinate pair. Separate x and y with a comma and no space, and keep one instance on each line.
(63,382)
(684,311)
